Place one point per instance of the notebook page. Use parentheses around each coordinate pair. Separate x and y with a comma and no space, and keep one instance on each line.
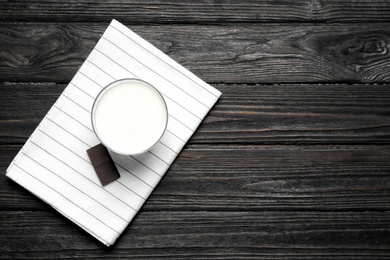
(54,165)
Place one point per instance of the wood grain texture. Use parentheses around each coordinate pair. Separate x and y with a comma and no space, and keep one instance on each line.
(255,178)
(267,53)
(187,11)
(272,114)
(23,106)
(299,114)
(298,170)
(202,234)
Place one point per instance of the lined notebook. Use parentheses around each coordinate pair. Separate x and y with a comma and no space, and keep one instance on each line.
(54,165)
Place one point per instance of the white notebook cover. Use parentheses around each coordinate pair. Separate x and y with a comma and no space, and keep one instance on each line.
(54,165)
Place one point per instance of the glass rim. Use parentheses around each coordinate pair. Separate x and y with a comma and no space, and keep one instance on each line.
(108,87)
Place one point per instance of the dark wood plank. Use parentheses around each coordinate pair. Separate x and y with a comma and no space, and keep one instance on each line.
(255,178)
(187,11)
(47,52)
(285,178)
(299,114)
(200,235)
(23,106)
(266,53)
(271,114)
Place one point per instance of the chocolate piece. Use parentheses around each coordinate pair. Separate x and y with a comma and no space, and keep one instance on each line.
(103,164)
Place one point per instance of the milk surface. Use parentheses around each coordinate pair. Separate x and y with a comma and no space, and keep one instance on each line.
(129,116)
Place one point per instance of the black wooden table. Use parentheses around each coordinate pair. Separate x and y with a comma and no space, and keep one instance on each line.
(292,162)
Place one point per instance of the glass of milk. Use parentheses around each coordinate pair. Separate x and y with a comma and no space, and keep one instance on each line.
(129,116)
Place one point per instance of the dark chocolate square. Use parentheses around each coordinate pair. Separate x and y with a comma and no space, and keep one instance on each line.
(103,164)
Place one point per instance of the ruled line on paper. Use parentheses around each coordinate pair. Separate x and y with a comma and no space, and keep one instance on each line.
(165,141)
(151,69)
(79,190)
(62,111)
(88,162)
(57,149)
(92,98)
(169,131)
(83,91)
(88,145)
(96,185)
(146,165)
(134,175)
(85,85)
(80,133)
(72,218)
(51,178)
(126,187)
(63,145)
(161,91)
(105,63)
(77,104)
(97,84)
(60,126)
(64,197)
(158,157)
(164,95)
(105,72)
(179,121)
(80,97)
(180,71)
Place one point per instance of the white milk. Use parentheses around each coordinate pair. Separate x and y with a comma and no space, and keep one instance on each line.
(129,116)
